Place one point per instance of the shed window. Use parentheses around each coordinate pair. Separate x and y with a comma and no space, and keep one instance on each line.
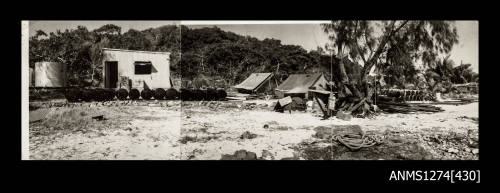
(143,67)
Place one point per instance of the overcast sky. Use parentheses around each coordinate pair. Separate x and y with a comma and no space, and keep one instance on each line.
(308,36)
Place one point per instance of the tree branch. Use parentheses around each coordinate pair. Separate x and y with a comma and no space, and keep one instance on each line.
(380,48)
(369,46)
(357,45)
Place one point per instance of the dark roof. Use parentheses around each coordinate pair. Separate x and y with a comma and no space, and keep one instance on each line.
(254,81)
(299,83)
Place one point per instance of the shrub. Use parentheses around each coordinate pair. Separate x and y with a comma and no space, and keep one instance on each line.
(134,94)
(122,94)
(146,94)
(159,93)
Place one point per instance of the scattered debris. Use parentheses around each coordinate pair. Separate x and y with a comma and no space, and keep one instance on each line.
(248,135)
(99,118)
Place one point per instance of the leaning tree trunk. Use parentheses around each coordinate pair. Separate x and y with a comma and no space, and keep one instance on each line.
(360,93)
(359,100)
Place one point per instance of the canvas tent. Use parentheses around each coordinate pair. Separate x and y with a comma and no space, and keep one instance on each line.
(299,85)
(256,83)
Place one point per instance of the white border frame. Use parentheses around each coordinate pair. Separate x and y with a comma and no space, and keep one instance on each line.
(25,154)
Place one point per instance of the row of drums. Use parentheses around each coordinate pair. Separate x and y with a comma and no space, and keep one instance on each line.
(101,94)
(408,95)
(209,94)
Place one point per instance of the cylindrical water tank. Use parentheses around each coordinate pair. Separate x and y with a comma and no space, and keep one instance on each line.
(31,78)
(50,74)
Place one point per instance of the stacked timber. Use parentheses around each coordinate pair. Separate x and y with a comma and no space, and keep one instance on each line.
(393,107)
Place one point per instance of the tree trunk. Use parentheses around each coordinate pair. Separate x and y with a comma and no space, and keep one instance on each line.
(92,77)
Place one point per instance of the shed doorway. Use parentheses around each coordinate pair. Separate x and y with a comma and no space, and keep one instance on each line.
(111,74)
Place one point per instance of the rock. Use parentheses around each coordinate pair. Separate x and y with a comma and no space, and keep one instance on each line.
(240,155)
(266,155)
(475,151)
(154,105)
(244,155)
(344,116)
(452,150)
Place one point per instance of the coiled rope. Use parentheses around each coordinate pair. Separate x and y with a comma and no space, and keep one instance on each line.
(358,141)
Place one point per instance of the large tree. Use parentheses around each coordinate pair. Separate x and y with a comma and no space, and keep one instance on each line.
(374,43)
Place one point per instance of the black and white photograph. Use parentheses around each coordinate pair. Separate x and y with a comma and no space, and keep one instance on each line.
(250,90)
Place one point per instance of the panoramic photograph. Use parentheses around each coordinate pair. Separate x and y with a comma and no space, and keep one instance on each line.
(241,90)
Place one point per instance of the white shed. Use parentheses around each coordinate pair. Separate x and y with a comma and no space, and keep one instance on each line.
(144,69)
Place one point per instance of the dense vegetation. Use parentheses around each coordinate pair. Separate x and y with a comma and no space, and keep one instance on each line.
(217,54)
(80,49)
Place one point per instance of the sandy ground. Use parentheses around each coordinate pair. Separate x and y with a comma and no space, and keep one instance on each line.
(198,131)
(130,132)
(224,128)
